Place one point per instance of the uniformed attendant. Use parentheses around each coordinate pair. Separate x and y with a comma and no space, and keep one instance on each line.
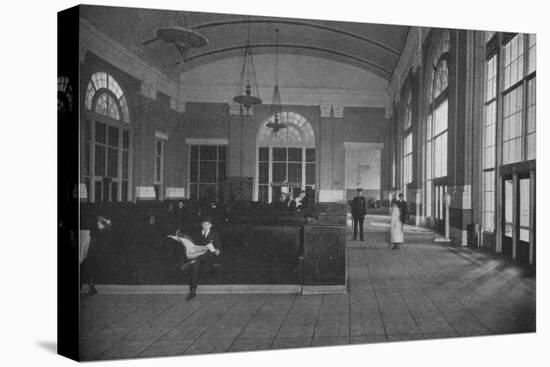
(358,211)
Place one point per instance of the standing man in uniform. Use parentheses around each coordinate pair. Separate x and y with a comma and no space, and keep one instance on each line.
(358,211)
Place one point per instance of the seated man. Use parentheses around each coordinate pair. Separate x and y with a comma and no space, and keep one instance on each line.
(206,245)
(300,201)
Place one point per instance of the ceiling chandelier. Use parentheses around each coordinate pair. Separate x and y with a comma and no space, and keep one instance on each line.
(248,94)
(276,106)
(182,38)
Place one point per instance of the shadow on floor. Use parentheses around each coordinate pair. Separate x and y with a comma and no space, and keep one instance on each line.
(50,346)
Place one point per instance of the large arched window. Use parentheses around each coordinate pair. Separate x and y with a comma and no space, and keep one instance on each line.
(437,82)
(106,140)
(286,158)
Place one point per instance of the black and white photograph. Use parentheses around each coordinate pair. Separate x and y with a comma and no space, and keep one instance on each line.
(282,183)
(252,183)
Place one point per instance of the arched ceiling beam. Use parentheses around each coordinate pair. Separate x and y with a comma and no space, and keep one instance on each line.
(386,72)
(389,49)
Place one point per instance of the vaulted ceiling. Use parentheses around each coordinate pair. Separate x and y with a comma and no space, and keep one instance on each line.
(373,47)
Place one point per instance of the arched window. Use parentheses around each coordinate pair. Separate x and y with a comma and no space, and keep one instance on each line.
(437,82)
(105,96)
(106,158)
(65,98)
(407,143)
(286,158)
(298,132)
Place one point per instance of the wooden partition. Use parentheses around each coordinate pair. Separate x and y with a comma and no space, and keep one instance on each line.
(324,258)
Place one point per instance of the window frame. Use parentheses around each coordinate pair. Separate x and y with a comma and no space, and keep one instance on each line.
(90,120)
(194,192)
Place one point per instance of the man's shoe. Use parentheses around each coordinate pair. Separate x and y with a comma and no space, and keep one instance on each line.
(192,294)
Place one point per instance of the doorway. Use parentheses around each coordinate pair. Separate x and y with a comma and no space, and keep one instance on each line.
(516,231)
(440,190)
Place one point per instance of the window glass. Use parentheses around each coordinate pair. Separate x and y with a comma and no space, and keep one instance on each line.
(513,61)
(532,53)
(310,155)
(488,200)
(524,210)
(512,126)
(441,78)
(294,154)
(264,154)
(489,135)
(491,78)
(115,106)
(408,111)
(279,154)
(207,171)
(531,118)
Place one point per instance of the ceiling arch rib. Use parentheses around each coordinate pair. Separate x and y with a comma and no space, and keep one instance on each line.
(304,24)
(380,70)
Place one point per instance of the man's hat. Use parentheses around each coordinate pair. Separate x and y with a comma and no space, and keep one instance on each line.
(207,218)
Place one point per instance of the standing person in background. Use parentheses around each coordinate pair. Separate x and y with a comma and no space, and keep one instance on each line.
(94,241)
(404,209)
(403,218)
(396,225)
(358,211)
(291,203)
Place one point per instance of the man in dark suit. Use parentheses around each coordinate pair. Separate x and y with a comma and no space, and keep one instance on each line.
(207,237)
(404,209)
(358,211)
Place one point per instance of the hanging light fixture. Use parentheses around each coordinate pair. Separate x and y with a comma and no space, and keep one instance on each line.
(181,37)
(276,105)
(247,93)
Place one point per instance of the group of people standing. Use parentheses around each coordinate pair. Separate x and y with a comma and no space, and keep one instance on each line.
(399,215)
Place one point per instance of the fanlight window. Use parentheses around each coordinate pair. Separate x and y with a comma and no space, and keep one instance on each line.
(441,78)
(438,78)
(298,132)
(110,100)
(64,94)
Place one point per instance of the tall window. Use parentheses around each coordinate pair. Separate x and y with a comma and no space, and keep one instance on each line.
(518,93)
(489,143)
(437,83)
(407,144)
(407,159)
(207,171)
(515,82)
(531,98)
(286,158)
(408,111)
(159,169)
(106,140)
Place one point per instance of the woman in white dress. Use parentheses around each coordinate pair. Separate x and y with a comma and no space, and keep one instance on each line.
(396,226)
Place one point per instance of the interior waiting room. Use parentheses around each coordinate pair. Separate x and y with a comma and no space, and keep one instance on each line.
(281,135)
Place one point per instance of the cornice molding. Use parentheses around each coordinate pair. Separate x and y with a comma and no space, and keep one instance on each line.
(411,59)
(290,96)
